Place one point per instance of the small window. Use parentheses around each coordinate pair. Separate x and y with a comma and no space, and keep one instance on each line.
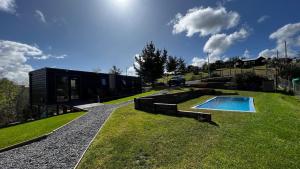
(103,82)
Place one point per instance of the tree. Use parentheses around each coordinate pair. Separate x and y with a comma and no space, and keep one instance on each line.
(219,64)
(8,98)
(171,64)
(193,69)
(116,71)
(181,66)
(205,67)
(151,63)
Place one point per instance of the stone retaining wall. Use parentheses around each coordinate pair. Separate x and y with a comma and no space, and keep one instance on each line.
(167,104)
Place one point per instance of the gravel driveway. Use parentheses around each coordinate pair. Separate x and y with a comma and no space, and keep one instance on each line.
(63,148)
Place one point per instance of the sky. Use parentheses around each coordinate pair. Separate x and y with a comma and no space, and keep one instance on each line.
(97,34)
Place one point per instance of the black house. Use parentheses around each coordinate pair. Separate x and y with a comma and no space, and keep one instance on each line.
(51,86)
(259,61)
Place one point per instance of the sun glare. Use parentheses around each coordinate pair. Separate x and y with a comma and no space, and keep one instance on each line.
(122,3)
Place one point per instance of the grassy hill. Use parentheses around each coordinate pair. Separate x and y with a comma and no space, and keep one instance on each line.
(188,77)
(259,70)
(268,138)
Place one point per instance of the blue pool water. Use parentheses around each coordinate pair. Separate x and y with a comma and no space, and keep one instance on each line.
(228,103)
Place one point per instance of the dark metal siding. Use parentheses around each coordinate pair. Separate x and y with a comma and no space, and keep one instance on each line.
(38,87)
(92,86)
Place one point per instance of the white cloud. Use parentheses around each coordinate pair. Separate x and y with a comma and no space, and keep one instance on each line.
(263,18)
(219,43)
(247,54)
(8,6)
(223,2)
(13,60)
(298,41)
(225,59)
(135,63)
(199,62)
(60,56)
(131,71)
(205,21)
(39,14)
(286,31)
(268,53)
(289,33)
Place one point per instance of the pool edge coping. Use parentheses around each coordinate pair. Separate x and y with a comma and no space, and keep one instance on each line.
(252,107)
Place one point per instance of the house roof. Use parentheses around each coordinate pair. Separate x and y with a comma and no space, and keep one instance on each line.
(253,59)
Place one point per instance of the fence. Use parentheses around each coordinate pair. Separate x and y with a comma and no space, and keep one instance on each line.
(284,84)
(296,89)
(266,72)
(288,86)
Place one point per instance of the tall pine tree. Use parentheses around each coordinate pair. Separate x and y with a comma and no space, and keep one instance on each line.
(151,63)
(172,64)
(181,66)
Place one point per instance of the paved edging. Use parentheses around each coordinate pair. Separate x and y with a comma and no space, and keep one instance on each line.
(88,146)
(39,138)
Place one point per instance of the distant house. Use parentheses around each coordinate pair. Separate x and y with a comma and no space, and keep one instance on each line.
(238,63)
(259,61)
(296,60)
(50,86)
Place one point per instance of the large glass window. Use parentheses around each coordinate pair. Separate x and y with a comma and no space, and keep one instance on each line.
(103,82)
(74,88)
(62,89)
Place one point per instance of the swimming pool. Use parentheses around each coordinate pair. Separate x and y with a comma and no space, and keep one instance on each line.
(229,103)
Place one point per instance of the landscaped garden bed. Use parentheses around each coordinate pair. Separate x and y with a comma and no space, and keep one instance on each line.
(268,138)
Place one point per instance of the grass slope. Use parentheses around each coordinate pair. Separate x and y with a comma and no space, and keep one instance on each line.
(266,139)
(259,70)
(187,77)
(125,99)
(23,132)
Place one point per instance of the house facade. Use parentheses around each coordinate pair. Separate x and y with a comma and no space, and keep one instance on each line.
(50,86)
(259,61)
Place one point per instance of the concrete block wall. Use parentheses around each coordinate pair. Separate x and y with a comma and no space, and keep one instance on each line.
(167,104)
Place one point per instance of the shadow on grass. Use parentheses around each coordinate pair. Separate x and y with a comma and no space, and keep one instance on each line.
(184,116)
(214,123)
(225,94)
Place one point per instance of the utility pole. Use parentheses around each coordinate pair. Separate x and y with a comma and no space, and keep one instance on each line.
(285,50)
(208,67)
(276,71)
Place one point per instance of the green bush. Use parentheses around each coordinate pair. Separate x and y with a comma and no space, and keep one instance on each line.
(14,102)
(249,81)
(8,98)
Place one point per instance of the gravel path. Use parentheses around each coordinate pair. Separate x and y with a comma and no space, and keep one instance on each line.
(63,148)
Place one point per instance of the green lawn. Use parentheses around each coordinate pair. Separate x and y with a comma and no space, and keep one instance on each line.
(266,139)
(178,90)
(125,99)
(23,132)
